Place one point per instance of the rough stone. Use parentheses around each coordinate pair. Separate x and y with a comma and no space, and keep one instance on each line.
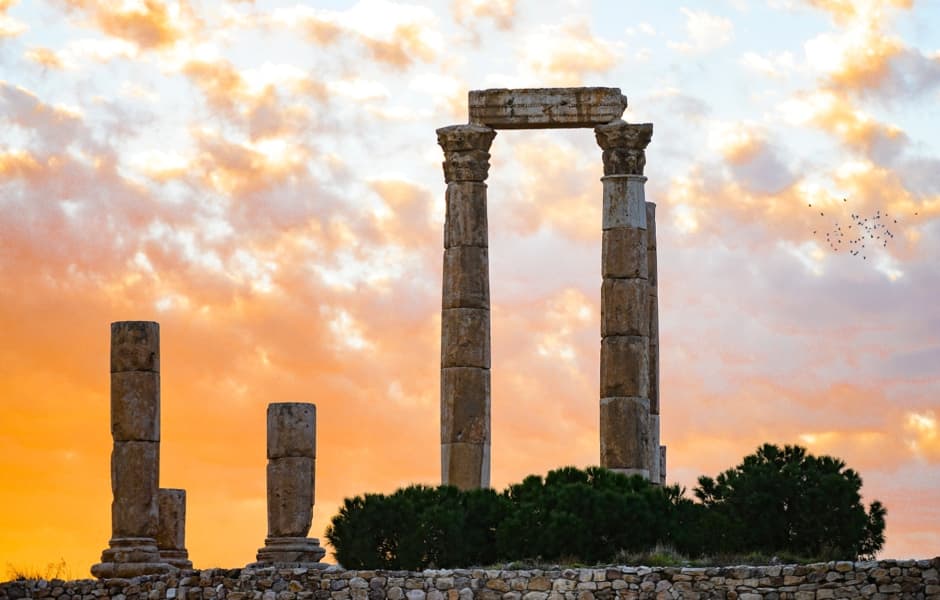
(653,448)
(290,496)
(135,346)
(623,254)
(466,151)
(625,433)
(465,337)
(284,550)
(292,430)
(466,278)
(625,366)
(543,108)
(662,465)
(465,465)
(624,307)
(465,221)
(624,146)
(465,405)
(624,198)
(135,468)
(135,406)
(171,527)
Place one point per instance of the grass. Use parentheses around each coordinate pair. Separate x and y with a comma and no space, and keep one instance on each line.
(53,570)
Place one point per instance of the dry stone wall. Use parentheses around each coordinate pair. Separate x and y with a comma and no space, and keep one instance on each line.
(878,580)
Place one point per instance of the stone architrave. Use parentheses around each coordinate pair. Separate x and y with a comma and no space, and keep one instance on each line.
(625,433)
(171,530)
(652,272)
(465,309)
(545,108)
(291,476)
(135,456)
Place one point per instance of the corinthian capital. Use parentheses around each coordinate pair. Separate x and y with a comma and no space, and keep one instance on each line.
(624,145)
(466,151)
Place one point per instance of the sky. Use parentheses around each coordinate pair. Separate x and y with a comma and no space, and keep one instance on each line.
(263,179)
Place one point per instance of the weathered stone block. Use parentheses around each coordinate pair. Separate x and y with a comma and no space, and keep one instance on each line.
(135,406)
(135,468)
(135,346)
(290,496)
(625,366)
(653,448)
(465,405)
(651,225)
(662,465)
(654,377)
(171,532)
(466,156)
(293,551)
(542,108)
(465,465)
(623,253)
(624,307)
(624,146)
(465,337)
(624,202)
(466,277)
(625,433)
(652,269)
(292,430)
(465,219)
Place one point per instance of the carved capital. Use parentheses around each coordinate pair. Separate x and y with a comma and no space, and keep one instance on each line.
(624,145)
(466,151)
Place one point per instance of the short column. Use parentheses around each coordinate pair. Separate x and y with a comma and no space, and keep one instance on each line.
(465,309)
(135,457)
(171,529)
(625,365)
(291,478)
(654,341)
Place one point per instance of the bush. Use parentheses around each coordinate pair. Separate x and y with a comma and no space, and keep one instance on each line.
(786,500)
(775,503)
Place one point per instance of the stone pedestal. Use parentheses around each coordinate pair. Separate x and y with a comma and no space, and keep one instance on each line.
(465,309)
(135,457)
(291,476)
(625,429)
(171,530)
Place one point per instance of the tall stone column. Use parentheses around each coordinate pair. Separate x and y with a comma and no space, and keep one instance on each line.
(625,323)
(135,457)
(655,463)
(291,476)
(171,529)
(465,310)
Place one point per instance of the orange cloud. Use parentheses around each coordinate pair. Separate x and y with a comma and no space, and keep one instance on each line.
(501,12)
(150,24)
(565,54)
(45,57)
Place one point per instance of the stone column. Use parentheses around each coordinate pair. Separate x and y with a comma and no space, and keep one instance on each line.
(135,457)
(171,529)
(654,460)
(465,309)
(291,474)
(625,365)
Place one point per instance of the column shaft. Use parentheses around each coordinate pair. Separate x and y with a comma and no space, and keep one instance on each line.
(625,325)
(465,309)
(171,533)
(655,466)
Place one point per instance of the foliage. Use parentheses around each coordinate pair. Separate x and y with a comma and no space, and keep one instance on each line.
(53,570)
(788,500)
(776,503)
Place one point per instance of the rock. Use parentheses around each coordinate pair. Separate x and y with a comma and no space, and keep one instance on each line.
(541,108)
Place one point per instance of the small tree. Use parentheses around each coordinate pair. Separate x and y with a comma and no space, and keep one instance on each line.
(786,500)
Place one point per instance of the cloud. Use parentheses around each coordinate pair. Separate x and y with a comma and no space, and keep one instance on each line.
(566,54)
(44,57)
(706,32)
(149,24)
(501,12)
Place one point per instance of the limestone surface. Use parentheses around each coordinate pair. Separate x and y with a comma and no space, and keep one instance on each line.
(466,277)
(135,346)
(465,337)
(465,219)
(465,405)
(171,530)
(135,406)
(292,430)
(622,254)
(624,366)
(290,496)
(134,472)
(466,465)
(625,434)
(624,307)
(544,108)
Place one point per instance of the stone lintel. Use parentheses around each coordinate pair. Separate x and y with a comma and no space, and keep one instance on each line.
(545,108)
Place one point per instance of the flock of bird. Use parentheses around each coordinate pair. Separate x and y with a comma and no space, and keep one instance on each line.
(862,235)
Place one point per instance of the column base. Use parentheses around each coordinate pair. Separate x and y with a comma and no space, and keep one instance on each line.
(131,557)
(290,551)
(177,558)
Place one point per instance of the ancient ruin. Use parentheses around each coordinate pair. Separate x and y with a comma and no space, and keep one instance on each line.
(291,477)
(135,457)
(171,529)
(629,372)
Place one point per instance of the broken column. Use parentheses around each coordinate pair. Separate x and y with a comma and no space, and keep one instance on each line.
(291,477)
(625,321)
(465,309)
(171,529)
(135,456)
(655,466)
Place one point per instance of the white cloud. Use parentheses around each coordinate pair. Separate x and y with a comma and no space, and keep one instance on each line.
(706,32)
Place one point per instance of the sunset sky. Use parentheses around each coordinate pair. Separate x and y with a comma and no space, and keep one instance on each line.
(263,179)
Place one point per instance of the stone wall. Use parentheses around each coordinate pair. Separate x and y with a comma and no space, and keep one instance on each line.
(876,579)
